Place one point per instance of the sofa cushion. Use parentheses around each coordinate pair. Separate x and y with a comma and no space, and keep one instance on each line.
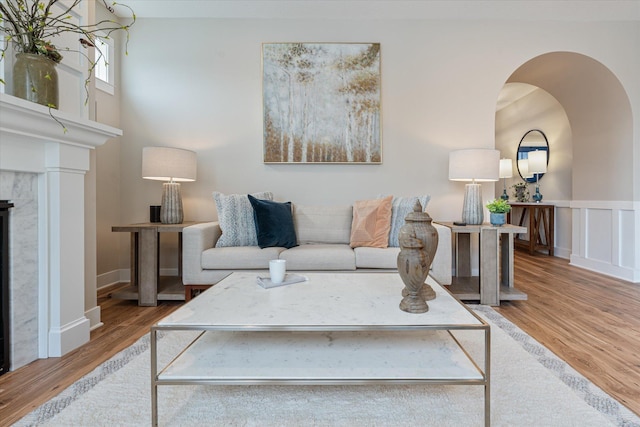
(274,223)
(377,257)
(320,257)
(240,257)
(323,224)
(235,216)
(400,208)
(371,223)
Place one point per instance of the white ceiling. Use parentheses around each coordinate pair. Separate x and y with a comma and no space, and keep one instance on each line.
(574,10)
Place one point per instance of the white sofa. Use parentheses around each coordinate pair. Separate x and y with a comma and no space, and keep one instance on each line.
(323,235)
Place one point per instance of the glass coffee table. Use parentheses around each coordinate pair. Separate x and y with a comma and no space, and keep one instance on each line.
(334,328)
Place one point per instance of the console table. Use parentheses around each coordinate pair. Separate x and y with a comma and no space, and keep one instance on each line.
(541,225)
(495,282)
(146,284)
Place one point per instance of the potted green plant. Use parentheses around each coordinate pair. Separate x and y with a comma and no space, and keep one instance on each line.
(29,26)
(521,191)
(498,210)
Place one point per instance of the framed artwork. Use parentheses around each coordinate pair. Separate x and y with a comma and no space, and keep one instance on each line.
(321,103)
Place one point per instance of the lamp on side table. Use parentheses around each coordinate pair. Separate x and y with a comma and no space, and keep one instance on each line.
(173,165)
(475,165)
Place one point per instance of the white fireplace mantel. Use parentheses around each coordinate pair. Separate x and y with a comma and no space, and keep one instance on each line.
(33,121)
(32,141)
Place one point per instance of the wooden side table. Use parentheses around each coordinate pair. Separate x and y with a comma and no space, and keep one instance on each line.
(146,284)
(541,225)
(495,282)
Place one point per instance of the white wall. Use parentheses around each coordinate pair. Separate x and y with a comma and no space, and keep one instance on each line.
(599,110)
(107,170)
(200,89)
(539,110)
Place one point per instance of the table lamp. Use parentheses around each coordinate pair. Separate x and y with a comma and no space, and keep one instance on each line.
(173,165)
(475,165)
(506,171)
(537,165)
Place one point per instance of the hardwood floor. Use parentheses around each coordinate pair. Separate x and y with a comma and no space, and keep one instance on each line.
(27,388)
(589,320)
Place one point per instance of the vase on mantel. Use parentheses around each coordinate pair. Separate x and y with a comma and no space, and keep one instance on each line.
(35,79)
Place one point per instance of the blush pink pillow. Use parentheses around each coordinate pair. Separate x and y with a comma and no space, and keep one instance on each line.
(371,223)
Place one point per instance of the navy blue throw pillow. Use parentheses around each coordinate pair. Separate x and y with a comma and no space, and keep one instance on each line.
(274,223)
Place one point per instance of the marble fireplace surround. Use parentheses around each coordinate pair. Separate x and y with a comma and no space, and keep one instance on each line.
(44,168)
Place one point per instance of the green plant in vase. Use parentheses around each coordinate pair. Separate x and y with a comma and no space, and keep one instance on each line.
(29,27)
(498,210)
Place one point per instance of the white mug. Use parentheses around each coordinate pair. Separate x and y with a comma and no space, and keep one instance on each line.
(277,270)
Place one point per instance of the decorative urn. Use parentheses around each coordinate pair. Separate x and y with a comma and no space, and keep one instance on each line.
(418,243)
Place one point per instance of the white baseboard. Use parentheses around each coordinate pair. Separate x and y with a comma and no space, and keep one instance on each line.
(562,252)
(94,318)
(68,337)
(168,271)
(623,273)
(124,275)
(110,278)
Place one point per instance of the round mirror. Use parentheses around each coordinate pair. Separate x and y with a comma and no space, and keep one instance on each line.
(533,155)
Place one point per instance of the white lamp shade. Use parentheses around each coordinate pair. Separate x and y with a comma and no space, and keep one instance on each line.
(537,161)
(506,168)
(168,164)
(474,165)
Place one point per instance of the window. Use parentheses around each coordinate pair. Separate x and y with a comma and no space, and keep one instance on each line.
(104,64)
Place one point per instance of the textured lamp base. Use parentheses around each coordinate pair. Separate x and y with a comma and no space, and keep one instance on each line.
(171,209)
(472,210)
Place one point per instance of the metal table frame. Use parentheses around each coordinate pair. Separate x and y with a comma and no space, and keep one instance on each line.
(158,380)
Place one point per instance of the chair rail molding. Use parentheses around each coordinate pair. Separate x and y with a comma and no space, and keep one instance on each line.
(32,141)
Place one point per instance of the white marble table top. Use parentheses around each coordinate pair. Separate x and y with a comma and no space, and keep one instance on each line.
(327,301)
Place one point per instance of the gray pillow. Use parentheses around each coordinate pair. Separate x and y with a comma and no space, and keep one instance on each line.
(400,208)
(235,216)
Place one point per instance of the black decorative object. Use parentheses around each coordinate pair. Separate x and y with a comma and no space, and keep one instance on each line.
(4,285)
(154,213)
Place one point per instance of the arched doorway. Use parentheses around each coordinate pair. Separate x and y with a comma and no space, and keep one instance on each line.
(594,216)
(599,113)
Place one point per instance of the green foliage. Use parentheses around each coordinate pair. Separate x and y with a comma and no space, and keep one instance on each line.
(28,25)
(499,206)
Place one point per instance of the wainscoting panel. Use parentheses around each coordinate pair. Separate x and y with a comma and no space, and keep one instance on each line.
(605,237)
(600,230)
(562,238)
(628,224)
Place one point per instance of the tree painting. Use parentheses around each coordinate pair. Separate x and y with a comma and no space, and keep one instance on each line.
(321,102)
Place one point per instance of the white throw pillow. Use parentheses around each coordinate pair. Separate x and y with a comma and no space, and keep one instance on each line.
(400,208)
(235,216)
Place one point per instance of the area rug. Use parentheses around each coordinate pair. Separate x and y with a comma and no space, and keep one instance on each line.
(530,386)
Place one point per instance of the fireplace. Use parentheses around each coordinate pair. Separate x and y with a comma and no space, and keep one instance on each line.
(4,285)
(42,171)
